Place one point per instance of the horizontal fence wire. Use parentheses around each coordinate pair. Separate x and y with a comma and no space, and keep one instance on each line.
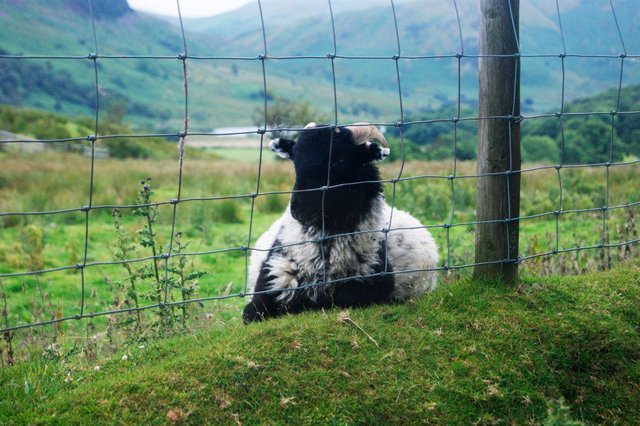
(560,244)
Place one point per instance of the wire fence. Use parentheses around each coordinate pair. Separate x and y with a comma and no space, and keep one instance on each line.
(556,215)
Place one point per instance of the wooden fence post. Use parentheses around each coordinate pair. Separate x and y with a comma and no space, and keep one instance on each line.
(498,189)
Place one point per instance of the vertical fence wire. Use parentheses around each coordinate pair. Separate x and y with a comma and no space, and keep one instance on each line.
(92,139)
(263,57)
(182,136)
(396,179)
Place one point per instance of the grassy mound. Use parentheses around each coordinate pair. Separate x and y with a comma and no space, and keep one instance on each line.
(555,351)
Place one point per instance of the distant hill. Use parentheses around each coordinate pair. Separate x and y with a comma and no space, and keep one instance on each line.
(430,28)
(582,136)
(100,9)
(222,93)
(226,81)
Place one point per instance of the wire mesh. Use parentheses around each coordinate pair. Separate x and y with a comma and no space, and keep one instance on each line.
(560,173)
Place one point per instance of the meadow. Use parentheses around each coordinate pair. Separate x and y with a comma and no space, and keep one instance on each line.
(553,350)
(218,218)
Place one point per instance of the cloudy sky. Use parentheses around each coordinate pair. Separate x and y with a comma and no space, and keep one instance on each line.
(189,8)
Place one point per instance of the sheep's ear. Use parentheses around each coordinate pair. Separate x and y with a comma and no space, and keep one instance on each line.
(282,147)
(370,152)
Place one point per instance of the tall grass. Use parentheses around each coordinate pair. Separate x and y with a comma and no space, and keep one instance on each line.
(216,224)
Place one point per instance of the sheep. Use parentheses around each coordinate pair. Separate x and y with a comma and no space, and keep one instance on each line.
(338,242)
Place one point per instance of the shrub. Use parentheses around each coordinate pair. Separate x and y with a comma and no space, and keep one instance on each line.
(226,211)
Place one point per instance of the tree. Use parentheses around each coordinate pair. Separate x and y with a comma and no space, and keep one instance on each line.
(588,140)
(538,149)
(282,112)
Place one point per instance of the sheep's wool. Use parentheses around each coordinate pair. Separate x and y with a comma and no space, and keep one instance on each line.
(305,259)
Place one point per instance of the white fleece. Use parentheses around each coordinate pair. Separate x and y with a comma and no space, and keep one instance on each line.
(412,254)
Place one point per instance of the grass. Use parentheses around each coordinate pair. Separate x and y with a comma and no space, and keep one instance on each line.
(552,350)
(29,243)
(241,154)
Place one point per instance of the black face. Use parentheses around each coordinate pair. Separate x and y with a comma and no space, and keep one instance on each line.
(323,157)
(330,168)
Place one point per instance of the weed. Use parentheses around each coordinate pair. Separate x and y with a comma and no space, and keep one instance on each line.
(559,414)
(149,212)
(32,248)
(6,336)
(226,211)
(122,248)
(580,261)
(177,283)
(183,278)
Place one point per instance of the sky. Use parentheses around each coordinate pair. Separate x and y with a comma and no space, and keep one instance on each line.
(188,8)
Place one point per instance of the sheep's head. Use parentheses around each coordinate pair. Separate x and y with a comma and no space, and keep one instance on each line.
(335,173)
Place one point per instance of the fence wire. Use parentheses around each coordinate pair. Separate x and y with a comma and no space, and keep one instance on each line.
(561,244)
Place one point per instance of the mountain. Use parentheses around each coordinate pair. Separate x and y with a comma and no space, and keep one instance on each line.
(100,9)
(429,28)
(46,44)
(246,19)
(44,48)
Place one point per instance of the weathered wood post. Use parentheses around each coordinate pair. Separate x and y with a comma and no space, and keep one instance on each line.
(498,190)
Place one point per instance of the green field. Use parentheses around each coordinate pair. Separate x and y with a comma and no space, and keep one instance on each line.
(456,355)
(215,229)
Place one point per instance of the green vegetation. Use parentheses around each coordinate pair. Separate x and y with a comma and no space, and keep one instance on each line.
(555,350)
(44,125)
(570,139)
(151,89)
(213,230)
(224,92)
(15,88)
(219,225)
(435,141)
(588,138)
(282,112)
(551,351)
(567,139)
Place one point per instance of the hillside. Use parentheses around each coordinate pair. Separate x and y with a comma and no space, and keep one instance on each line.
(430,28)
(554,351)
(222,93)
(227,92)
(585,138)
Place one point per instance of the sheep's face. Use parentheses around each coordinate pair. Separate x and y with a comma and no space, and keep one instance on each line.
(325,156)
(330,163)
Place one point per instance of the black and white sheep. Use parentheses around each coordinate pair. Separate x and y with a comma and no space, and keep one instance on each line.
(338,238)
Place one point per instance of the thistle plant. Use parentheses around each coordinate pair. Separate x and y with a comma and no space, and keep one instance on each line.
(122,249)
(147,237)
(182,278)
(6,336)
(178,276)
